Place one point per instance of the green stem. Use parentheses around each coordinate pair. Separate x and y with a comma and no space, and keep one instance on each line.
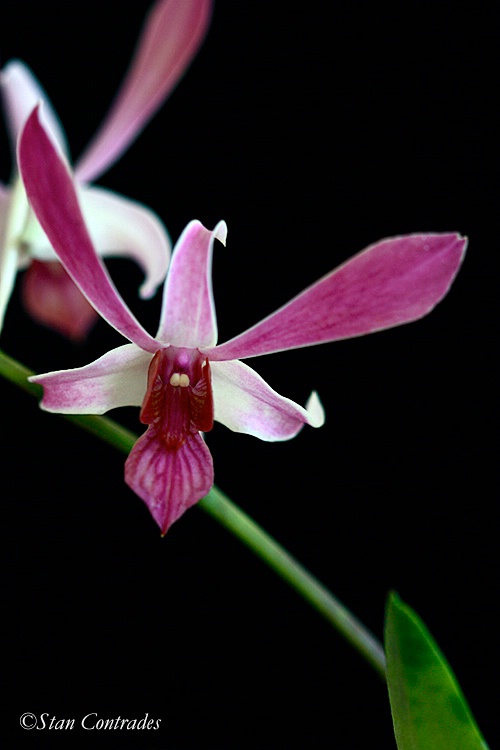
(240,524)
(284,564)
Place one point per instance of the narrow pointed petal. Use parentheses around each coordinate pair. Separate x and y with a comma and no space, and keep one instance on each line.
(244,402)
(188,313)
(172,34)
(169,481)
(52,299)
(52,195)
(395,281)
(122,227)
(21,92)
(118,378)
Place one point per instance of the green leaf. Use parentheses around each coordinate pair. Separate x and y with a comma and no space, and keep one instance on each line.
(429,711)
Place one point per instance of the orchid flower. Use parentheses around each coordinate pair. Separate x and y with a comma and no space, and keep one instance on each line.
(171,36)
(181,378)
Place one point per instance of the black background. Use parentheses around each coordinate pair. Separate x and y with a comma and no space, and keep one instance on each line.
(313,130)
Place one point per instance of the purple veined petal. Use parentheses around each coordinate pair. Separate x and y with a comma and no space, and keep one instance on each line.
(172,34)
(169,481)
(118,378)
(244,402)
(188,312)
(395,281)
(52,195)
(21,92)
(121,227)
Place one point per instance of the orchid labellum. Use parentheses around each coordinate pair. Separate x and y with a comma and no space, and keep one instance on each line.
(181,378)
(172,34)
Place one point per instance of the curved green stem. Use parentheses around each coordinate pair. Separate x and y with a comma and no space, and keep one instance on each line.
(284,564)
(240,524)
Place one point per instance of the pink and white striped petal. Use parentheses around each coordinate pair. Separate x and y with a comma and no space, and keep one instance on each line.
(52,299)
(172,34)
(124,228)
(52,194)
(118,378)
(169,481)
(188,311)
(21,92)
(244,402)
(395,281)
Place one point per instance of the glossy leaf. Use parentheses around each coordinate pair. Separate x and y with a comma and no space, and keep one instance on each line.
(429,711)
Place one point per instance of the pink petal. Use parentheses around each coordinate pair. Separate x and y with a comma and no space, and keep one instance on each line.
(244,402)
(169,481)
(172,34)
(124,228)
(51,298)
(393,282)
(52,195)
(118,378)
(21,92)
(188,313)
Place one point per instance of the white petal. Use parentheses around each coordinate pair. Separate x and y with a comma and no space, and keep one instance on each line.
(244,402)
(7,270)
(21,93)
(119,228)
(13,209)
(119,378)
